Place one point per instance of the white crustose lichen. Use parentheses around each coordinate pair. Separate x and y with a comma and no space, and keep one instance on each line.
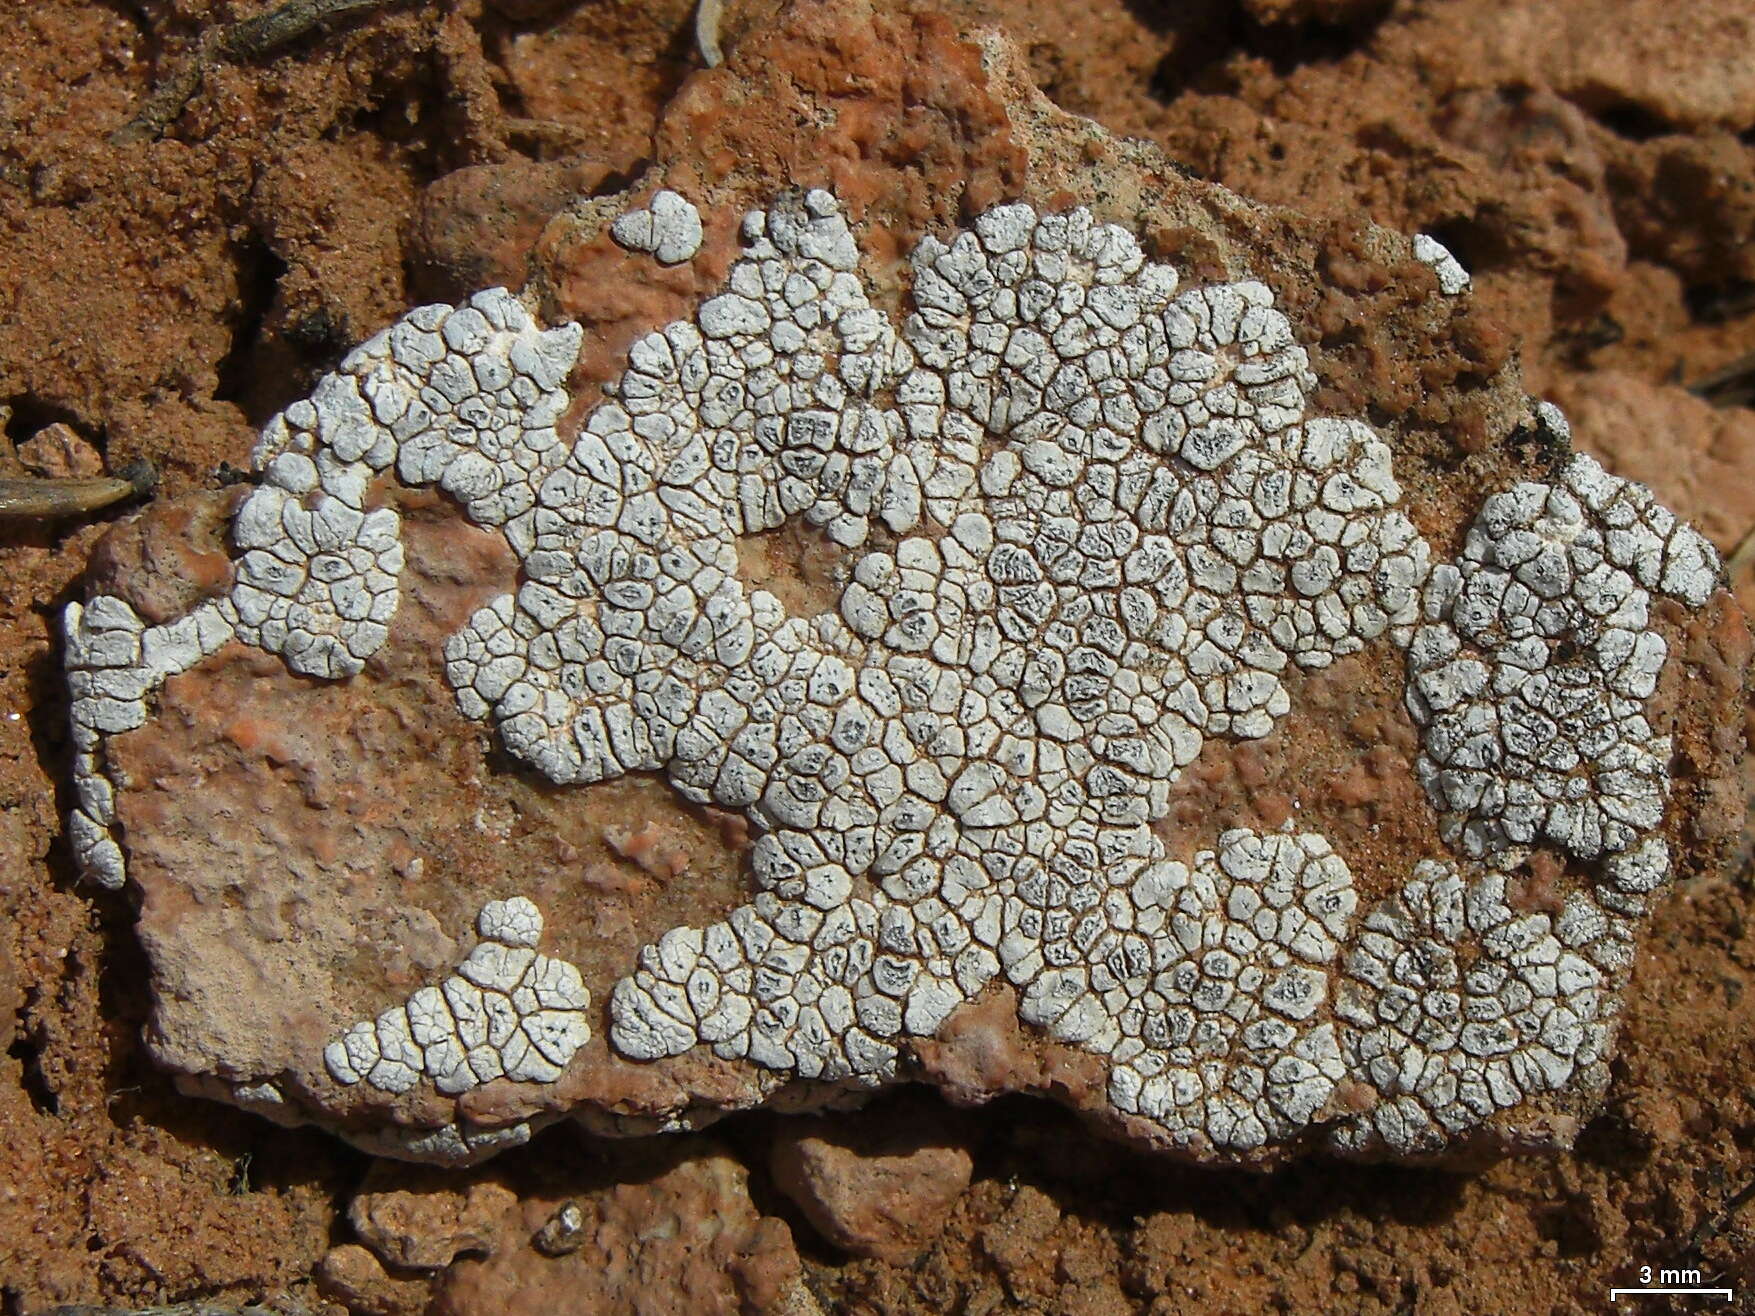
(1452,277)
(465,397)
(506,1013)
(1459,1006)
(669,228)
(1530,678)
(1092,523)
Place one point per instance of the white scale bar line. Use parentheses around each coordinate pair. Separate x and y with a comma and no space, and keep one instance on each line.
(1615,1293)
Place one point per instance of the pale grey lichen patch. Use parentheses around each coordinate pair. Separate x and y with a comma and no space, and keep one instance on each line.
(317,583)
(114,662)
(669,227)
(1139,528)
(467,397)
(507,1012)
(1630,878)
(1530,678)
(1452,277)
(457,1144)
(1092,525)
(1460,1007)
(1554,421)
(1228,1039)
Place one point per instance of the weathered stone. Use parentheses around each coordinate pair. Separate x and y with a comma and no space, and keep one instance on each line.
(682,1236)
(351,1274)
(416,1222)
(562,1232)
(58,451)
(875,1187)
(1091,533)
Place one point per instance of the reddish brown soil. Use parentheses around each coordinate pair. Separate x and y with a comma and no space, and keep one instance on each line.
(163,296)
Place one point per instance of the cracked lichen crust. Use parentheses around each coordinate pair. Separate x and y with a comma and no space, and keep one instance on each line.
(114,661)
(1091,524)
(1530,679)
(669,228)
(1461,1006)
(1452,277)
(507,1012)
(466,397)
(1113,528)
(1228,1038)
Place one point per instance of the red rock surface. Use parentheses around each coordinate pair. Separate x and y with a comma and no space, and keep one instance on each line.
(678,1233)
(162,298)
(411,1224)
(308,853)
(879,1188)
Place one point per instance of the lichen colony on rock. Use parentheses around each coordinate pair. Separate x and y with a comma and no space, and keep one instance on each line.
(1095,524)
(1530,679)
(506,1013)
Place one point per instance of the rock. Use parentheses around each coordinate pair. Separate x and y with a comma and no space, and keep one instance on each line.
(350,1274)
(680,1235)
(416,1221)
(1019,1244)
(474,227)
(878,1185)
(562,1232)
(1663,434)
(1077,445)
(601,78)
(1543,159)
(170,558)
(339,242)
(58,452)
(525,11)
(1689,203)
(1678,66)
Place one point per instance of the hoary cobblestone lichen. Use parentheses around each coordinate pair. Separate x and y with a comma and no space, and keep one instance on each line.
(506,1013)
(1095,523)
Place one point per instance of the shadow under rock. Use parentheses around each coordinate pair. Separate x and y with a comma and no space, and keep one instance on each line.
(1028,1140)
(1206,35)
(1032,1141)
(258,374)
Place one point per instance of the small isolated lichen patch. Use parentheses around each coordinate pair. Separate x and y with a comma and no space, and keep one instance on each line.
(1452,277)
(506,1013)
(1094,525)
(1529,679)
(669,228)
(1460,1007)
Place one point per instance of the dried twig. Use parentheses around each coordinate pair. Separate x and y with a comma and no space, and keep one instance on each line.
(50,499)
(235,43)
(1729,386)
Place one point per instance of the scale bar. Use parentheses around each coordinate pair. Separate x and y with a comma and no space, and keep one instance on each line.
(1728,1293)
